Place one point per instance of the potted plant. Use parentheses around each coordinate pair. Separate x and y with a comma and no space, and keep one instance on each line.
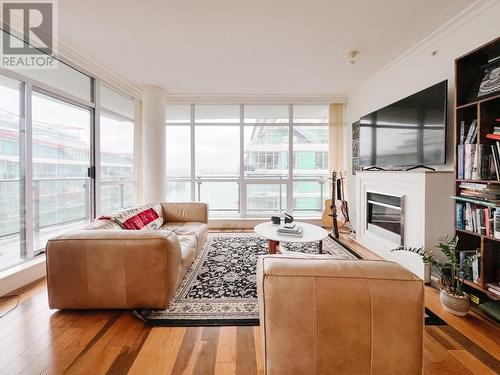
(452,296)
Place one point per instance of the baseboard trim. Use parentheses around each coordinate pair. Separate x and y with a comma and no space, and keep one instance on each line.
(21,275)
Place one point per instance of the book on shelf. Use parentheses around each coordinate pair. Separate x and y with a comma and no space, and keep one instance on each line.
(495,286)
(460,222)
(471,274)
(496,224)
(496,161)
(475,218)
(469,154)
(495,136)
(494,291)
(462,133)
(471,133)
(476,161)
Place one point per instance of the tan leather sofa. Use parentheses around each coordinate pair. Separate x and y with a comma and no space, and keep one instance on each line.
(105,266)
(326,316)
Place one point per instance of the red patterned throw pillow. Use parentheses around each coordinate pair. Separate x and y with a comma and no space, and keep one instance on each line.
(140,218)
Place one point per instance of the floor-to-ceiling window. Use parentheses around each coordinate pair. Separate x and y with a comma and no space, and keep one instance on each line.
(12,231)
(310,157)
(117,150)
(48,154)
(248,160)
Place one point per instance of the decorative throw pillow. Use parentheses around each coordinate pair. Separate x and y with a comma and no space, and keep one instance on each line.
(104,223)
(140,218)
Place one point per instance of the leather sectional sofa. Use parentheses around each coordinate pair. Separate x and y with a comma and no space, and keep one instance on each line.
(105,266)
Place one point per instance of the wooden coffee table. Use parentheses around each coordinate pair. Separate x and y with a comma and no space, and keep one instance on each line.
(312,233)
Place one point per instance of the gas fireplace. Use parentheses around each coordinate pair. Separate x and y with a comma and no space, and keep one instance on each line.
(385,216)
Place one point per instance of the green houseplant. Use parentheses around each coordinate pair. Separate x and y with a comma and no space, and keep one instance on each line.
(452,296)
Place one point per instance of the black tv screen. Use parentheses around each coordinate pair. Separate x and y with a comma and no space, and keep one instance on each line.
(409,132)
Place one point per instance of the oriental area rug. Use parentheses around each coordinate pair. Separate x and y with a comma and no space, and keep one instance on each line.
(220,286)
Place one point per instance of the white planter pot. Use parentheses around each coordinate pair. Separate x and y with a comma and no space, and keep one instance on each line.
(457,305)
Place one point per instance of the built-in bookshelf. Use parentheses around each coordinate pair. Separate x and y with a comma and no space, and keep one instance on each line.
(477,158)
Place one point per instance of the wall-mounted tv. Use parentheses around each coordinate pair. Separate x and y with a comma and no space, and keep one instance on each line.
(408,133)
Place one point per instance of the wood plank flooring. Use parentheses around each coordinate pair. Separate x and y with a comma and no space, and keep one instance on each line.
(36,340)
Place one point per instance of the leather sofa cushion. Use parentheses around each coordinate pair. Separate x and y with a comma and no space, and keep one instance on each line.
(188,249)
(196,229)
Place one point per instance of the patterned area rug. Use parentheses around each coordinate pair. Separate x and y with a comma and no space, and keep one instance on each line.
(220,287)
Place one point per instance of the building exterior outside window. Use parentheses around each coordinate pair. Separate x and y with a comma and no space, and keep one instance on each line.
(47,155)
(237,157)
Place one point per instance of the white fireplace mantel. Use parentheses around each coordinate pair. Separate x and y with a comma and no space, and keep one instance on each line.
(428,211)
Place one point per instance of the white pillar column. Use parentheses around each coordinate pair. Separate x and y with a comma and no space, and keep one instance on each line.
(153,161)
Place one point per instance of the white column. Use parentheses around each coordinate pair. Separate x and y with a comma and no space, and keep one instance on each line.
(153,161)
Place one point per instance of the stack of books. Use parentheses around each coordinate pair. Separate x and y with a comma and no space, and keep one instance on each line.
(494,288)
(482,192)
(290,230)
(477,161)
(475,207)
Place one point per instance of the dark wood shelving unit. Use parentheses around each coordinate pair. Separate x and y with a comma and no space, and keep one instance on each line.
(479,235)
(475,103)
(483,181)
(468,107)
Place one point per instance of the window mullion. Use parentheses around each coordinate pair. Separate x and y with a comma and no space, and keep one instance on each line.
(242,187)
(194,187)
(28,171)
(289,197)
(97,147)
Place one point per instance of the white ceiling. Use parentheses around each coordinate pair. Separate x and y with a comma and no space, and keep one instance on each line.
(245,47)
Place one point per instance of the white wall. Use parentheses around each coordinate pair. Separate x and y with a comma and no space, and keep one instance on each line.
(418,69)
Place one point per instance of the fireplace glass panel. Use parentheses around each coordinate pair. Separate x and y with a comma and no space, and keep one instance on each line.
(384,211)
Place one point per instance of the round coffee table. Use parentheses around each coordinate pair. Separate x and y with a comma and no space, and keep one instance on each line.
(312,233)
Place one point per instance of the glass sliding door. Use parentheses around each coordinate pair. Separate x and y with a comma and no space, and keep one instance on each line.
(62,190)
(12,191)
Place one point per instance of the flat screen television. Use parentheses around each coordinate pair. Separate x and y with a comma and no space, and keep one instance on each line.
(407,133)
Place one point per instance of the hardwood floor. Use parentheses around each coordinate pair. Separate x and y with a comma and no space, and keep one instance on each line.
(36,340)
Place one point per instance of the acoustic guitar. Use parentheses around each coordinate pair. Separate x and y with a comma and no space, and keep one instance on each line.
(344,208)
(332,208)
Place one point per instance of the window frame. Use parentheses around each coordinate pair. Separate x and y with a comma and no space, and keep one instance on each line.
(28,86)
(241,180)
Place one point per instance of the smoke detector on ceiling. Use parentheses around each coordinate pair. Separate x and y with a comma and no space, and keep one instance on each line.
(352,56)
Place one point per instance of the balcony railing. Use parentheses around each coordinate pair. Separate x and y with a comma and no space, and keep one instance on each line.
(232,196)
(116,187)
(58,201)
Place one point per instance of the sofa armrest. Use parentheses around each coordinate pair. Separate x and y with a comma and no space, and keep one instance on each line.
(112,269)
(185,211)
